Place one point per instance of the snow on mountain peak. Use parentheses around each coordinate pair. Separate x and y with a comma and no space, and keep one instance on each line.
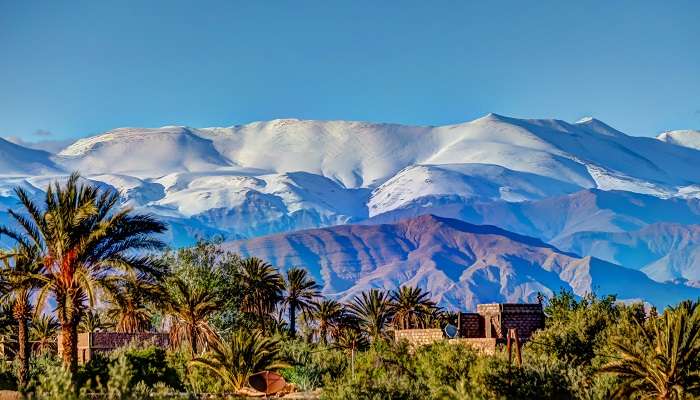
(686,138)
(143,152)
(284,174)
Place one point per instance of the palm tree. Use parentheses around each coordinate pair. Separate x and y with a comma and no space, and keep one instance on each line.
(373,311)
(43,332)
(659,357)
(21,275)
(262,286)
(410,306)
(299,292)
(91,322)
(327,314)
(128,298)
(82,238)
(244,354)
(190,308)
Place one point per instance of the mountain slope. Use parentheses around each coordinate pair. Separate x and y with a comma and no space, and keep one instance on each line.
(22,161)
(664,251)
(142,153)
(460,263)
(557,217)
(685,138)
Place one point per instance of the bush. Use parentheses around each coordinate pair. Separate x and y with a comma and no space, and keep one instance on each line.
(56,383)
(8,379)
(443,364)
(384,372)
(146,364)
(149,365)
(495,378)
(311,364)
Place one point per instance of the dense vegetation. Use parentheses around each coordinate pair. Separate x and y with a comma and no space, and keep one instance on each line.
(80,263)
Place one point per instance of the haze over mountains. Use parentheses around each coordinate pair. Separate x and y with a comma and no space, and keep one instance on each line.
(583,187)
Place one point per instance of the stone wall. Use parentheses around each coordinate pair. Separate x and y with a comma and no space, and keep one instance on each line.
(113,340)
(418,337)
(90,344)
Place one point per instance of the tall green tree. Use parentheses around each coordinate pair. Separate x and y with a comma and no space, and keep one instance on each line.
(262,287)
(43,332)
(410,306)
(190,308)
(300,290)
(21,275)
(215,270)
(130,301)
(373,311)
(83,236)
(660,358)
(328,314)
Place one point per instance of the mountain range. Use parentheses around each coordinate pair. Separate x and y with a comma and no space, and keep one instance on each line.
(461,264)
(584,188)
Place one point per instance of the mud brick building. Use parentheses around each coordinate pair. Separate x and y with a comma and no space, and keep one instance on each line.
(485,328)
(498,318)
(90,344)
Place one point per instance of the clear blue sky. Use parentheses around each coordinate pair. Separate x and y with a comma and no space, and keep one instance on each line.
(81,67)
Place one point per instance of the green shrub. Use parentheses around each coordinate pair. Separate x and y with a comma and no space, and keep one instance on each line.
(443,364)
(386,371)
(146,364)
(8,379)
(149,365)
(311,364)
(94,372)
(496,378)
(56,383)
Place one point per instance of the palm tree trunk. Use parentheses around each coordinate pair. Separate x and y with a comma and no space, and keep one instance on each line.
(69,345)
(23,339)
(323,332)
(193,340)
(293,319)
(261,315)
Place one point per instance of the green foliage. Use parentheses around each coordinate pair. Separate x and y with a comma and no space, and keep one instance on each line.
(262,287)
(442,364)
(373,311)
(495,378)
(659,357)
(384,372)
(311,365)
(149,365)
(94,372)
(575,329)
(205,265)
(240,355)
(8,379)
(56,383)
(145,364)
(194,379)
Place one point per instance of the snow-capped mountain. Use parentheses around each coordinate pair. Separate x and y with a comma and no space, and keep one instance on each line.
(18,160)
(544,178)
(281,175)
(685,138)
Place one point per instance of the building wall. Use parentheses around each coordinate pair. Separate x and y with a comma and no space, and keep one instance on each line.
(471,325)
(90,344)
(418,337)
(498,318)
